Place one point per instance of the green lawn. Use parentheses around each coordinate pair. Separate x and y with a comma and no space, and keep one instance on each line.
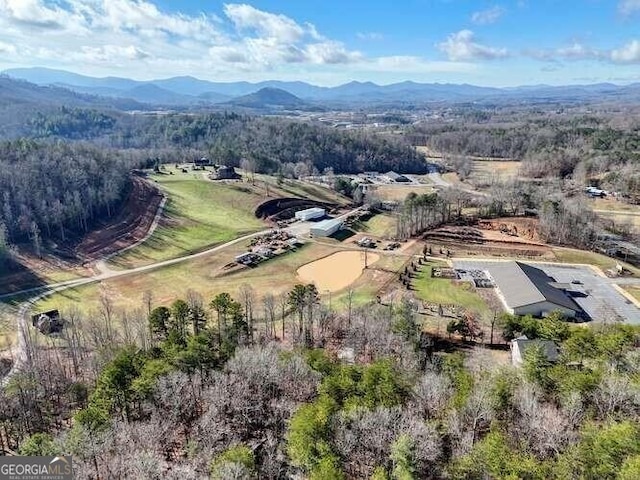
(437,290)
(198,214)
(201,213)
(381,225)
(569,255)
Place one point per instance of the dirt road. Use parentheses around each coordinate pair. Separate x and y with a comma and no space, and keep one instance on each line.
(22,318)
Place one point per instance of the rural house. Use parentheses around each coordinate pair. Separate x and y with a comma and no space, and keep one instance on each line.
(520,345)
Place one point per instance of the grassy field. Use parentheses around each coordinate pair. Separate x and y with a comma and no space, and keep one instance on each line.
(485,171)
(201,213)
(7,327)
(609,204)
(204,275)
(569,255)
(436,290)
(381,225)
(630,219)
(207,277)
(400,192)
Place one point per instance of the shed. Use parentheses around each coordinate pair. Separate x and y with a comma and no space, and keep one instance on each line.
(201,162)
(520,345)
(310,214)
(396,177)
(326,228)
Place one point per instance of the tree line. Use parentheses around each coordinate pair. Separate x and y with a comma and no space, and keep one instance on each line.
(229,402)
(228,138)
(58,190)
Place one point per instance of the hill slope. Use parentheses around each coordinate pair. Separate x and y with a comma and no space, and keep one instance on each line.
(267,98)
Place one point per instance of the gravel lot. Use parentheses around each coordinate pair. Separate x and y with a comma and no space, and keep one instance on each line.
(595,294)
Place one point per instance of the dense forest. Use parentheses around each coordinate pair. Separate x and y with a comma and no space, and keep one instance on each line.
(270,143)
(75,169)
(50,189)
(195,390)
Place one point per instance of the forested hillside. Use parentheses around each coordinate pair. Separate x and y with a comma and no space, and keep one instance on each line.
(209,396)
(52,189)
(228,138)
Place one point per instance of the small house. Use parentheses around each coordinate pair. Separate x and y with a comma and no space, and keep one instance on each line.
(396,177)
(521,345)
(48,322)
(225,173)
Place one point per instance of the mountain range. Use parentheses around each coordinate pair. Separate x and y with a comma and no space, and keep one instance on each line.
(186,91)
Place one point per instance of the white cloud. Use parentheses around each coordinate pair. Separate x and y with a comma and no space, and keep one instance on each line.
(331,52)
(628,7)
(629,53)
(370,36)
(488,16)
(7,48)
(140,39)
(626,54)
(111,53)
(280,27)
(461,46)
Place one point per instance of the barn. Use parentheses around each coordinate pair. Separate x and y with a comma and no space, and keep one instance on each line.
(396,177)
(527,290)
(310,214)
(326,228)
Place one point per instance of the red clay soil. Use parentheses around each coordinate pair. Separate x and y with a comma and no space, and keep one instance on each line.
(130,225)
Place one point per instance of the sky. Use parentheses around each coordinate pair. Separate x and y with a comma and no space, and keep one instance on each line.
(330,42)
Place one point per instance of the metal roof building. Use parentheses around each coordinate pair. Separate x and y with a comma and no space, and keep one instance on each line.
(396,177)
(526,290)
(310,213)
(326,227)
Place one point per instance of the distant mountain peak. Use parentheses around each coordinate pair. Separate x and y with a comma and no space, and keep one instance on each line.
(268,97)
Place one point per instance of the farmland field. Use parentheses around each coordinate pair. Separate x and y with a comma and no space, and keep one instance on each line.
(399,192)
(201,213)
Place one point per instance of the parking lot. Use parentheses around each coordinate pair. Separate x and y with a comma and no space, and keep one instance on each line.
(595,294)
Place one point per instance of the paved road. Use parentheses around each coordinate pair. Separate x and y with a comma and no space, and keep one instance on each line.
(22,318)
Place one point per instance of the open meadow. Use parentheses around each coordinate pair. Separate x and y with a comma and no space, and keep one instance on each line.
(208,277)
(201,213)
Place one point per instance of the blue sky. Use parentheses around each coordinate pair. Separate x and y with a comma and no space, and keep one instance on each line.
(329,42)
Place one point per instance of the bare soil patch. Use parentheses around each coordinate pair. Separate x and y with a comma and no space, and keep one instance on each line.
(130,225)
(500,237)
(337,271)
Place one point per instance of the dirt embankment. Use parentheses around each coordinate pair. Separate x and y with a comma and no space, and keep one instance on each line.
(517,236)
(130,225)
(285,208)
